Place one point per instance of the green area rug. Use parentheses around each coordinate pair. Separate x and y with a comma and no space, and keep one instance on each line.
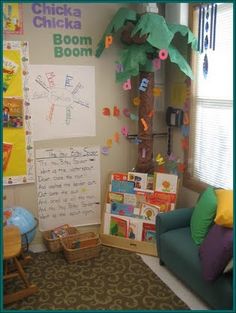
(116,280)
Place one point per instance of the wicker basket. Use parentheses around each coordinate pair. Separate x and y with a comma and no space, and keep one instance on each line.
(81,247)
(54,245)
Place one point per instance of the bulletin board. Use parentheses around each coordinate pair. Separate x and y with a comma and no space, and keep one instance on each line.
(63,101)
(68,186)
(18,161)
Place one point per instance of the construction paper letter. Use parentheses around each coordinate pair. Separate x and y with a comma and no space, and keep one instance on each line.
(145,126)
(108,41)
(136,101)
(105,150)
(116,111)
(106,112)
(109,143)
(126,112)
(144,84)
(163,54)
(124,131)
(127,85)
(156,91)
(119,68)
(116,137)
(156,63)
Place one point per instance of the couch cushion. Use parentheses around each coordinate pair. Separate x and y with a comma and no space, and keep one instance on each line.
(224,212)
(216,251)
(203,215)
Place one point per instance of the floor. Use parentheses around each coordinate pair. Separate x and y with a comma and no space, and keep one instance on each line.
(193,302)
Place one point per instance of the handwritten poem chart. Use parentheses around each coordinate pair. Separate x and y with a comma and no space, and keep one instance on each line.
(68,186)
(63,101)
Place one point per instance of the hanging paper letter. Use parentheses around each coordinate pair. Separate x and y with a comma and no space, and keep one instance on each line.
(127,85)
(108,41)
(144,84)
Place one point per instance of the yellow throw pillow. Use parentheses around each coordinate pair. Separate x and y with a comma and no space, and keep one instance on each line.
(224,212)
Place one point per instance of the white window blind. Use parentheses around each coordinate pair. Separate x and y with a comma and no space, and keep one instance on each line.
(211,137)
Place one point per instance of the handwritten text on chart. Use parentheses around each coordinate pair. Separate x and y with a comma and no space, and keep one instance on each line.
(68,186)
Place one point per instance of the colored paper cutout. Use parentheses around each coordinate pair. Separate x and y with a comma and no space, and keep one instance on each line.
(178,94)
(185,143)
(116,111)
(136,141)
(150,114)
(136,101)
(133,117)
(156,63)
(109,143)
(126,112)
(108,41)
(145,126)
(143,84)
(119,68)
(127,85)
(186,118)
(185,130)
(116,137)
(106,112)
(156,91)
(159,159)
(124,131)
(163,54)
(143,153)
(105,150)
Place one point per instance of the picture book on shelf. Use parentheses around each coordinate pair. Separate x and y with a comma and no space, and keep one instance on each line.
(166,182)
(130,199)
(139,179)
(119,176)
(134,231)
(115,197)
(122,209)
(149,232)
(122,186)
(165,201)
(119,226)
(149,211)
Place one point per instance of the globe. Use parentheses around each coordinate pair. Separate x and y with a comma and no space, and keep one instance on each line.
(24,220)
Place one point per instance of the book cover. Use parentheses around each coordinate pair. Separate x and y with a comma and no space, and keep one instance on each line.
(115,197)
(119,176)
(165,202)
(119,226)
(134,231)
(122,186)
(141,196)
(149,211)
(149,232)
(166,182)
(130,199)
(10,69)
(122,209)
(7,149)
(139,179)
(150,182)
(12,113)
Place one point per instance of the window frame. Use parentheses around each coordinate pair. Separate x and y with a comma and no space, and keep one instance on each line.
(188,180)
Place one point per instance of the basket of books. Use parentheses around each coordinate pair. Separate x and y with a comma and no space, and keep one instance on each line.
(52,237)
(81,247)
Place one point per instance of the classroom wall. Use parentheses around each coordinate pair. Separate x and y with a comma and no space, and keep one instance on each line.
(122,155)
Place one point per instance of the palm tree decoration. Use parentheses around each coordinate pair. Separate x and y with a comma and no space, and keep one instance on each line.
(143,37)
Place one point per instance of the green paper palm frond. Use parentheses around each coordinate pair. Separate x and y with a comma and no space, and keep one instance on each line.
(119,20)
(177,58)
(184,30)
(132,57)
(156,29)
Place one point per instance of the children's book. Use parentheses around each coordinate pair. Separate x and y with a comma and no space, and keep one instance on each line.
(10,69)
(149,211)
(166,182)
(12,114)
(130,199)
(165,202)
(119,176)
(139,179)
(119,226)
(135,228)
(7,149)
(122,186)
(122,209)
(149,232)
(115,197)
(150,182)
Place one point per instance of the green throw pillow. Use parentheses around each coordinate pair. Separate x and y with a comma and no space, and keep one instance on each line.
(203,215)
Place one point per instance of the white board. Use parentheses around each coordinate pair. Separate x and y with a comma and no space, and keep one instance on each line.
(68,186)
(63,101)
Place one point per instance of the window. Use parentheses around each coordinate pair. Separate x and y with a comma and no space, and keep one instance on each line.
(210,155)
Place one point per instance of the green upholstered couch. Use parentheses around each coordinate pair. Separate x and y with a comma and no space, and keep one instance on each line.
(178,252)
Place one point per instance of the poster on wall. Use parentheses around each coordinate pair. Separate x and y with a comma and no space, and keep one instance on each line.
(12,18)
(68,186)
(63,101)
(18,162)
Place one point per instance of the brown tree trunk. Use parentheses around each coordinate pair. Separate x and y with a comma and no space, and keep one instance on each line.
(146,108)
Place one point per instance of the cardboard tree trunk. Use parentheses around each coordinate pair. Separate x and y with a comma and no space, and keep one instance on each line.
(145,148)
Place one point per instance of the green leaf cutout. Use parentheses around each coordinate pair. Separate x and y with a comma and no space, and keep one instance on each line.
(119,20)
(177,58)
(131,58)
(156,29)
(184,30)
